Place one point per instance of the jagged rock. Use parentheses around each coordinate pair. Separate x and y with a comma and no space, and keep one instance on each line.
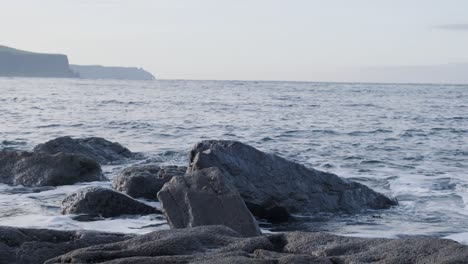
(205,198)
(40,169)
(274,187)
(95,148)
(32,246)
(104,202)
(219,244)
(145,181)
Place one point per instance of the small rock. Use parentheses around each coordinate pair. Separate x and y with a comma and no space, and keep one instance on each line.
(104,202)
(95,148)
(205,198)
(145,181)
(40,169)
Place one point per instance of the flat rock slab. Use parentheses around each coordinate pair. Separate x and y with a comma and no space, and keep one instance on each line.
(204,198)
(40,169)
(274,187)
(145,181)
(218,244)
(33,246)
(95,148)
(104,202)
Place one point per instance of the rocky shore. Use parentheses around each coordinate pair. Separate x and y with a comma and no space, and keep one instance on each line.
(218,244)
(212,206)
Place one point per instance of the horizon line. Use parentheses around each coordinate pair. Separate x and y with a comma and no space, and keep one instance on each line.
(244,80)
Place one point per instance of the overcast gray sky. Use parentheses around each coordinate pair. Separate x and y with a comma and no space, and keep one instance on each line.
(327,40)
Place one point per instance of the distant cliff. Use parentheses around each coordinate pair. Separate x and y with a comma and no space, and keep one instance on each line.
(21,63)
(118,73)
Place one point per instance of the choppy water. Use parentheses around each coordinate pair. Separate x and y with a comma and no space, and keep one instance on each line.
(407,141)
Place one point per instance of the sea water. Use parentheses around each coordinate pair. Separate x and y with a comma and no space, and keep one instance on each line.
(407,141)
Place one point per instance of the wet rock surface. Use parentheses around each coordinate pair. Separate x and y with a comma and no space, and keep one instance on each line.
(219,244)
(33,246)
(145,181)
(95,148)
(274,187)
(205,198)
(40,169)
(103,202)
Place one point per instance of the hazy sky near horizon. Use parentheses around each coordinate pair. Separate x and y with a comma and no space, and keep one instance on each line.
(328,40)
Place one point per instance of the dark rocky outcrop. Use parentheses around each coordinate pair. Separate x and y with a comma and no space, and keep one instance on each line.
(205,198)
(145,181)
(40,169)
(33,246)
(274,187)
(98,149)
(103,202)
(20,63)
(116,73)
(218,244)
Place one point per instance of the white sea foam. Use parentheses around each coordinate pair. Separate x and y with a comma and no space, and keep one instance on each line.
(460,237)
(407,141)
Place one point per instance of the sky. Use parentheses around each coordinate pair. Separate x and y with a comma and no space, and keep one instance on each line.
(300,40)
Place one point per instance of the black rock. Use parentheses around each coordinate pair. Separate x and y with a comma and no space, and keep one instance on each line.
(103,202)
(274,187)
(95,148)
(218,244)
(204,198)
(33,246)
(40,169)
(145,181)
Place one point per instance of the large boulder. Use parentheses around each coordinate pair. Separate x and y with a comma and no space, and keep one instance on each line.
(104,202)
(145,181)
(219,244)
(32,246)
(274,187)
(205,198)
(40,169)
(98,149)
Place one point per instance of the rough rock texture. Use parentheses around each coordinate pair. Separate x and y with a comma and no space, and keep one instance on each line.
(33,246)
(205,198)
(39,169)
(104,202)
(274,187)
(218,244)
(377,250)
(95,148)
(145,181)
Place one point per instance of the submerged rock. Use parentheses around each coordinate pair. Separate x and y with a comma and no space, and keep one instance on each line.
(145,181)
(104,202)
(32,246)
(219,244)
(95,148)
(205,198)
(274,187)
(40,169)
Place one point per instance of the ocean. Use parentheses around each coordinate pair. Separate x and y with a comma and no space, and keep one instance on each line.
(407,141)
